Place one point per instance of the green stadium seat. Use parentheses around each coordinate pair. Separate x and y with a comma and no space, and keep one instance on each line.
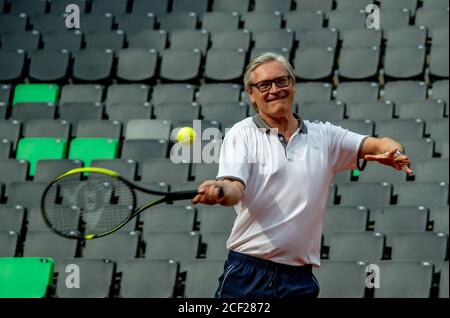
(25,277)
(34,149)
(88,149)
(36,93)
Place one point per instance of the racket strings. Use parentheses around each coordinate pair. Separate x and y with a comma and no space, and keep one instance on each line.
(98,204)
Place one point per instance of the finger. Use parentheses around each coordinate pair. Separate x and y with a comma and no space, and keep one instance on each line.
(372,157)
(407,170)
(392,151)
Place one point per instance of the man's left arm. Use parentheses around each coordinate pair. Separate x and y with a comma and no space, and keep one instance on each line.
(385,151)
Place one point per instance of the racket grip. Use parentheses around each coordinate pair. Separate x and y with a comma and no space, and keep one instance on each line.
(182,195)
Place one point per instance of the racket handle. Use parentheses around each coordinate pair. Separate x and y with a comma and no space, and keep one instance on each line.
(182,195)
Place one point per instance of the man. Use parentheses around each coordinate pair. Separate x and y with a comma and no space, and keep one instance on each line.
(276,168)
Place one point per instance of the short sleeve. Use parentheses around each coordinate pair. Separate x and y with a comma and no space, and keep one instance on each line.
(344,146)
(234,157)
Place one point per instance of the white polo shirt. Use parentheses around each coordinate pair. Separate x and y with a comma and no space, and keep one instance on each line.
(280,216)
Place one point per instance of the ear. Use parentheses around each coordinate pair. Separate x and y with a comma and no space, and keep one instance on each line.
(250,93)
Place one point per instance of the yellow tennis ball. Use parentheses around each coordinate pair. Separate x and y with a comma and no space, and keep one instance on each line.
(186,135)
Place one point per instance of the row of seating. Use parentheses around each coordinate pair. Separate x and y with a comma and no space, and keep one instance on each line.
(164,278)
(223,93)
(141,65)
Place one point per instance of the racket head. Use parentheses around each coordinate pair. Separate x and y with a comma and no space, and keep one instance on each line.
(88,208)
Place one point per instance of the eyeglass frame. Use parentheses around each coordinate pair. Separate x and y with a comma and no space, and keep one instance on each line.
(271,83)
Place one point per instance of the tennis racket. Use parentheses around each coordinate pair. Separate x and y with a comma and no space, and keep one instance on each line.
(98,204)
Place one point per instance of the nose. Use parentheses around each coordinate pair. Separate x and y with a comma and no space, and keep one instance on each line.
(274,89)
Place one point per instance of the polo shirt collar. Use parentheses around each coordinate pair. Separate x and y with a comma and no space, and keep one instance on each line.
(260,123)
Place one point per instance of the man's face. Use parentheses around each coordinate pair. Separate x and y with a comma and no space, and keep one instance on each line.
(277,101)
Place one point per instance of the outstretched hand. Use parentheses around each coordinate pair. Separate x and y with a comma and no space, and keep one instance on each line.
(390,158)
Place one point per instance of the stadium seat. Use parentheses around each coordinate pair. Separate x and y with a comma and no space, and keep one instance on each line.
(49,66)
(341,279)
(313,92)
(350,92)
(88,149)
(231,39)
(300,21)
(95,282)
(164,170)
(401,128)
(344,219)
(155,7)
(124,112)
(5,149)
(270,6)
(27,41)
(363,127)
(375,110)
(35,221)
(361,38)
(216,244)
(9,242)
(439,37)
(396,280)
(35,93)
(411,5)
(404,62)
(347,20)
(426,110)
(178,21)
(96,128)
(323,111)
(204,171)
(180,246)
(443,283)
(189,40)
(28,7)
(12,170)
(314,63)
(431,170)
(12,218)
(198,6)
(184,186)
(148,129)
(379,173)
(107,6)
(239,6)
(135,23)
(428,194)
(137,65)
(5,94)
(224,65)
(48,169)
(432,18)
(148,39)
(13,65)
(213,93)
(47,23)
(352,194)
(359,63)
(97,23)
(49,244)
(419,149)
(261,21)
(141,149)
(405,91)
(440,219)
(25,277)
(127,93)
(439,61)
(26,194)
(169,218)
(93,65)
(31,149)
(314,5)
(177,112)
(354,246)
(28,111)
(118,247)
(438,129)
(220,21)
(125,167)
(161,276)
(435,4)
(143,198)
(274,38)
(75,112)
(173,93)
(13,22)
(394,19)
(391,220)
(180,65)
(215,218)
(440,90)
(112,40)
(352,5)
(49,128)
(197,270)
(225,112)
(410,36)
(81,93)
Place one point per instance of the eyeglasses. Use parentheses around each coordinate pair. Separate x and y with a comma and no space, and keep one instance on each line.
(265,86)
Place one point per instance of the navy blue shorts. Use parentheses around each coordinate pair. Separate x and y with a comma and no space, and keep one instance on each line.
(250,277)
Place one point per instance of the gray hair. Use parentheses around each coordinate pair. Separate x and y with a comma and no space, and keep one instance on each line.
(265,58)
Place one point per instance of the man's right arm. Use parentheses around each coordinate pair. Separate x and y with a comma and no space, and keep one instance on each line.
(224,192)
